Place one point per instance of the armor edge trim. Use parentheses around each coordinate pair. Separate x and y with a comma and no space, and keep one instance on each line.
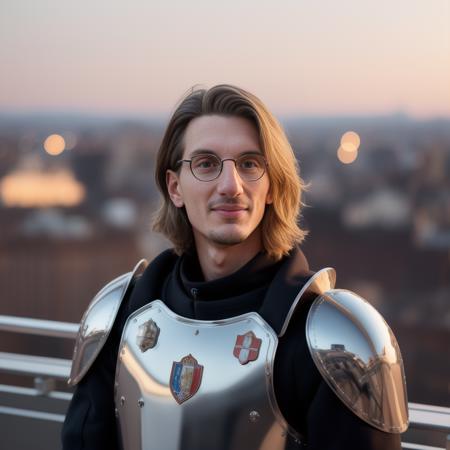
(322,281)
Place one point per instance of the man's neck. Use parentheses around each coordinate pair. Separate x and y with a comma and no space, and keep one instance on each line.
(220,261)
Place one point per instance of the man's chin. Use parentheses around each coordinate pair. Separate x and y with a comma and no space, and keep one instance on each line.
(227,239)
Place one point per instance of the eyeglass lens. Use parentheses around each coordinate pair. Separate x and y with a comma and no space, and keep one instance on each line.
(208,167)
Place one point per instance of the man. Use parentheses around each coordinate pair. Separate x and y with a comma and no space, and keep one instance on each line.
(229,341)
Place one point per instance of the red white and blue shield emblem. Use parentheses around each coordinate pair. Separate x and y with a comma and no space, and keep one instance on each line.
(185,378)
(247,347)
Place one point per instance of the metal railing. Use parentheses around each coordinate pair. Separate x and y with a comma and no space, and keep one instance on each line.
(26,325)
(45,370)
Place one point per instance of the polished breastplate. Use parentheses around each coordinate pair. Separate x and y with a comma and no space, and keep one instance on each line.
(184,384)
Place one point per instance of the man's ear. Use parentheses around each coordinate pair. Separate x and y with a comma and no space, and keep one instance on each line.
(173,188)
(269,198)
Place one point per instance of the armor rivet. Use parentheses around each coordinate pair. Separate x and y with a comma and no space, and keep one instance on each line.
(196,332)
(134,320)
(141,403)
(254,416)
(122,400)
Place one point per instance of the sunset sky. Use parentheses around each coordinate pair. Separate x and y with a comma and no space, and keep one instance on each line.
(301,57)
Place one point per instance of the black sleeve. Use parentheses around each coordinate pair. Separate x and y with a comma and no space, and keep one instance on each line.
(332,426)
(90,419)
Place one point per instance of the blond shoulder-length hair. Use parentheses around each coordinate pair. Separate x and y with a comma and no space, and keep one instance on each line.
(280,229)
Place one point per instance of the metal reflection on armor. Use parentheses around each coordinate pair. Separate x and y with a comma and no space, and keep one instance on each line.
(97,322)
(358,356)
(233,406)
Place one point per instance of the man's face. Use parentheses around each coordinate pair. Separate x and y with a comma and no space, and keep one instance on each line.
(225,211)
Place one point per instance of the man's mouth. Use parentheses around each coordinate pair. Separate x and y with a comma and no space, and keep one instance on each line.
(228,207)
(229,210)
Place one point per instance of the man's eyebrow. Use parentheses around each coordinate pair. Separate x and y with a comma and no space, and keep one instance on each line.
(205,151)
(202,151)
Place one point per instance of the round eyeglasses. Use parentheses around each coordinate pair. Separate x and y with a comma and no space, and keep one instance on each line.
(208,167)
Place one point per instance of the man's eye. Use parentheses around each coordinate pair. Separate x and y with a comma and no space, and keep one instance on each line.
(204,163)
(249,163)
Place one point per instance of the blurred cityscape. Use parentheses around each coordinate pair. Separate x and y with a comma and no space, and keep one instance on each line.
(77,195)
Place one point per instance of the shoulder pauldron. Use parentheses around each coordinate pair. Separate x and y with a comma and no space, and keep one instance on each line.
(358,356)
(98,321)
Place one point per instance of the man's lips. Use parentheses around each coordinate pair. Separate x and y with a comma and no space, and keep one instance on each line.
(227,207)
(229,210)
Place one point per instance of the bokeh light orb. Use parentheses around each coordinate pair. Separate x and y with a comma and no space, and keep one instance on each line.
(54,144)
(350,141)
(346,157)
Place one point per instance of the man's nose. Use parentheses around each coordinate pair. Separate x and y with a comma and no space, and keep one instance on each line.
(229,181)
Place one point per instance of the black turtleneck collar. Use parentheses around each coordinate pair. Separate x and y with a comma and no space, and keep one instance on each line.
(187,294)
(253,275)
(261,285)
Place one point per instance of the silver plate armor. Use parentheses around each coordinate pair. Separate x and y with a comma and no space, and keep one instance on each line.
(203,384)
(97,322)
(358,356)
(174,375)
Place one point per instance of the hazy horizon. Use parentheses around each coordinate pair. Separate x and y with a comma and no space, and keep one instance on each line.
(81,115)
